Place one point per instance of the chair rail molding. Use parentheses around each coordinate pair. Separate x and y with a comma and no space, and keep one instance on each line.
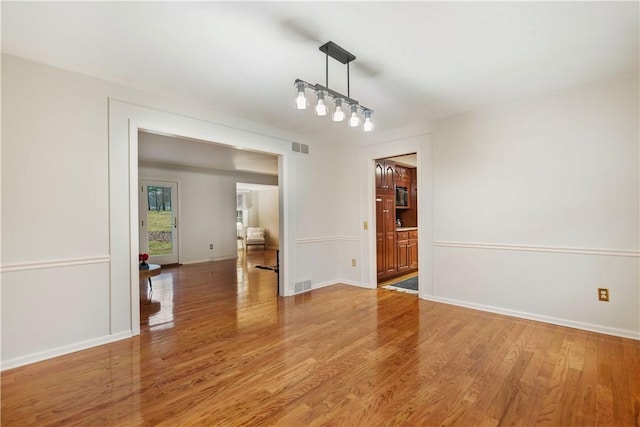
(327,239)
(57,263)
(533,248)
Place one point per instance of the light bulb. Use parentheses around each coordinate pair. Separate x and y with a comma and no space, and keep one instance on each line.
(321,107)
(354,120)
(338,114)
(368,123)
(301,101)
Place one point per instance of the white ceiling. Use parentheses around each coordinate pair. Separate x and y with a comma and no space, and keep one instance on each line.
(416,61)
(161,149)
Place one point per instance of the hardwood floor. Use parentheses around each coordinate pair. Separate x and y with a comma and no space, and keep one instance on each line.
(219,348)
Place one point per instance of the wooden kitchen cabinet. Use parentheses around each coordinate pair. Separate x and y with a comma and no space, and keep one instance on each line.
(385,176)
(402,246)
(385,235)
(407,251)
(412,250)
(402,176)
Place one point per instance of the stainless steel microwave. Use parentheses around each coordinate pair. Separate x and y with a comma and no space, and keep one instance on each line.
(402,196)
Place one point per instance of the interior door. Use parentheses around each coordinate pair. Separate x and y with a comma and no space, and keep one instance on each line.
(159,221)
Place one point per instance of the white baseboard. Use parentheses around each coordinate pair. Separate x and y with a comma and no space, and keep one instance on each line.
(335,282)
(59,351)
(358,284)
(323,284)
(623,333)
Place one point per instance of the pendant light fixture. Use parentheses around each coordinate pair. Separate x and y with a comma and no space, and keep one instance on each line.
(321,107)
(354,120)
(340,101)
(338,113)
(301,100)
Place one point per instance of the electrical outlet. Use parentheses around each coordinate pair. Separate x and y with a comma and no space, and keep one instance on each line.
(211,246)
(366,225)
(603,294)
(353,262)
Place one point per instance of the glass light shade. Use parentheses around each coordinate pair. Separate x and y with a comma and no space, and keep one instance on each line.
(301,100)
(368,122)
(354,120)
(321,107)
(338,114)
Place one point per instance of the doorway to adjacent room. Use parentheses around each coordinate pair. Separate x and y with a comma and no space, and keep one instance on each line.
(397,221)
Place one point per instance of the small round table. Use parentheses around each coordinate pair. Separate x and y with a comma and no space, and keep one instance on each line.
(148,273)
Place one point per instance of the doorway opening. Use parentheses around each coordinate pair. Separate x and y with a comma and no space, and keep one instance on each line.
(397,222)
(198,179)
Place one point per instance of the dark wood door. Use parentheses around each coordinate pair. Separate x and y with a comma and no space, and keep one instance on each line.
(390,177)
(385,176)
(389,215)
(403,255)
(380,266)
(413,253)
(380,181)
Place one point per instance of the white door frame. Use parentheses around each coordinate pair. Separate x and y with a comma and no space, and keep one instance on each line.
(125,121)
(422,146)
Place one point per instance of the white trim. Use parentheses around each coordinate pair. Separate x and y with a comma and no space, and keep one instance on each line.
(531,248)
(70,262)
(339,282)
(322,285)
(624,333)
(327,239)
(125,119)
(65,349)
(413,142)
(352,283)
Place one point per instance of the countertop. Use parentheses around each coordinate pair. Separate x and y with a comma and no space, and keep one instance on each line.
(406,228)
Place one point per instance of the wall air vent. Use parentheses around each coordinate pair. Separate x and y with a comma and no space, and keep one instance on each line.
(302,286)
(299,148)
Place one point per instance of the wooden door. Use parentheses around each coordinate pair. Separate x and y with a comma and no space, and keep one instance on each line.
(413,249)
(389,177)
(389,215)
(403,255)
(413,253)
(380,266)
(380,181)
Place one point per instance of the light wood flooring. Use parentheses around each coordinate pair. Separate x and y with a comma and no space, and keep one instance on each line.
(219,348)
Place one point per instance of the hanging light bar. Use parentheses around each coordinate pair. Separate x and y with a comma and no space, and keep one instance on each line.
(340,101)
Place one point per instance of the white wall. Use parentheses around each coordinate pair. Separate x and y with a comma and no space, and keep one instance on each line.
(206,210)
(537,205)
(66,210)
(55,213)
